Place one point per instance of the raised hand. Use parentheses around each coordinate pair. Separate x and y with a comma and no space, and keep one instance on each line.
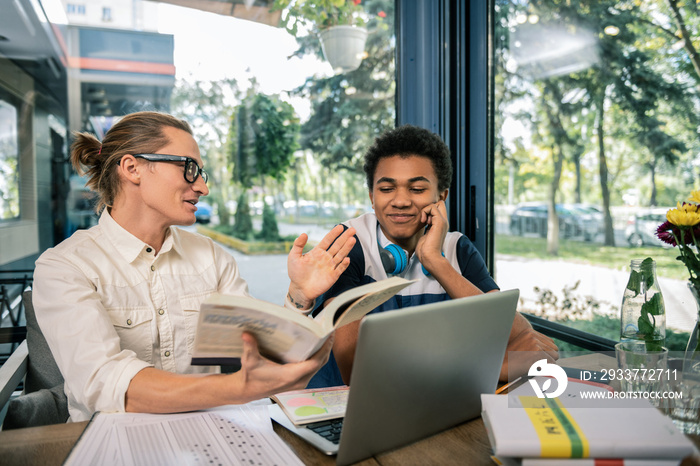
(313,273)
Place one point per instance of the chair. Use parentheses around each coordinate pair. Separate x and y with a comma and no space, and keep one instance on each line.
(43,400)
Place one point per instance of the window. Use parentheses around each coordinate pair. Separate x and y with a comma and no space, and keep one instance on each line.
(9,161)
(106,14)
(596,117)
(73,9)
(280,86)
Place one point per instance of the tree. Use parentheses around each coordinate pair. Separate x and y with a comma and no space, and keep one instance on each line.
(623,75)
(349,110)
(266,131)
(207,106)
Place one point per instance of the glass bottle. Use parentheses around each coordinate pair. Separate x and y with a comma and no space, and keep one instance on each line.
(643,315)
(692,350)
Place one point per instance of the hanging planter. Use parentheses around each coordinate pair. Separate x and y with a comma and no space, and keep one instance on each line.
(344,46)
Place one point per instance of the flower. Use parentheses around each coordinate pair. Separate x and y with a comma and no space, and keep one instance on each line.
(695,197)
(682,230)
(685,215)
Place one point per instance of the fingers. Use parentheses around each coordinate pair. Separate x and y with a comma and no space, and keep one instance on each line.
(429,212)
(298,245)
(531,340)
(251,352)
(321,356)
(343,245)
(330,237)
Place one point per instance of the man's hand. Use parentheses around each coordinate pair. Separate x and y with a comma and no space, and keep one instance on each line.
(525,346)
(313,273)
(261,377)
(429,246)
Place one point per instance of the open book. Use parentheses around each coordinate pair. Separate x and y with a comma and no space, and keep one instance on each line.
(313,404)
(283,334)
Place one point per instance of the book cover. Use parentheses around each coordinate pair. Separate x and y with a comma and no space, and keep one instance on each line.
(312,405)
(531,427)
(502,461)
(283,334)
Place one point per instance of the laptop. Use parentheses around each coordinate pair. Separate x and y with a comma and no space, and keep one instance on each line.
(418,371)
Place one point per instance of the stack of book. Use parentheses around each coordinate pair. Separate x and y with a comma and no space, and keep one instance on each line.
(575,430)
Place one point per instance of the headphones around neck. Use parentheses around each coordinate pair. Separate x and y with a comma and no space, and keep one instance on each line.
(395,259)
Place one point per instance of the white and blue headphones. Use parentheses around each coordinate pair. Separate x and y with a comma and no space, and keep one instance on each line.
(395,260)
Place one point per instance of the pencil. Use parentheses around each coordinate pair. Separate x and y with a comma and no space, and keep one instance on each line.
(506,386)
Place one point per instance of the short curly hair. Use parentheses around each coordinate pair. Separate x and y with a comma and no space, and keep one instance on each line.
(405,141)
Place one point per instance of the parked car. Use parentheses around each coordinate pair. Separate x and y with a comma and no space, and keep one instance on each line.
(531,218)
(203,213)
(592,220)
(641,229)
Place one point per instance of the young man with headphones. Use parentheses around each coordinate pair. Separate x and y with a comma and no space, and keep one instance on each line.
(408,173)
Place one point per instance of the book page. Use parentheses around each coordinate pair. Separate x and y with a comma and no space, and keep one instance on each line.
(355,303)
(220,327)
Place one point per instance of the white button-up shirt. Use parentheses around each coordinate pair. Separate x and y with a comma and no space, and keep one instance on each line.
(109,307)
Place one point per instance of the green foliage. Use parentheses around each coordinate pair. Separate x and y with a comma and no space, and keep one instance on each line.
(319,14)
(244,161)
(207,107)
(631,109)
(270,231)
(349,110)
(583,313)
(243,221)
(570,308)
(276,128)
(644,278)
(607,326)
(264,132)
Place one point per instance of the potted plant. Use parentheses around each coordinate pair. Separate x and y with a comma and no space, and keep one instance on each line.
(340,25)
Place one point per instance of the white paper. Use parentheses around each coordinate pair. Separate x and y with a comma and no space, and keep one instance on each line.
(240,434)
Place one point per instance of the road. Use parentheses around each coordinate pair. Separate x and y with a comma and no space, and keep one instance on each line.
(267,278)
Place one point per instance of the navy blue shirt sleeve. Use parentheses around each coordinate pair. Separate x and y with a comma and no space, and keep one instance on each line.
(473,267)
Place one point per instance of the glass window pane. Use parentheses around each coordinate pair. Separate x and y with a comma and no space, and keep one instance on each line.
(596,123)
(9,161)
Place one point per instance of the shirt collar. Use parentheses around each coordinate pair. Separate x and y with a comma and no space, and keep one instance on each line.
(128,245)
(381,238)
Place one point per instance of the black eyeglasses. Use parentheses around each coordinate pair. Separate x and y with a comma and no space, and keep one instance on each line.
(192,169)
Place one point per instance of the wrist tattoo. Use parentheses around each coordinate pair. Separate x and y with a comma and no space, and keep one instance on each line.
(291,300)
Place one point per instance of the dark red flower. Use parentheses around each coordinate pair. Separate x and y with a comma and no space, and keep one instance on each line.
(665,232)
(356,2)
(381,14)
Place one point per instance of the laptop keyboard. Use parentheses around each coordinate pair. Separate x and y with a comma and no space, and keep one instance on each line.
(330,429)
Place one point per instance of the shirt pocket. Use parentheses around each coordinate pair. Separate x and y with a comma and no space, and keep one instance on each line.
(190,308)
(134,329)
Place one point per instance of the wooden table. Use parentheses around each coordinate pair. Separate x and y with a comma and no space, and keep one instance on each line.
(466,443)
(50,445)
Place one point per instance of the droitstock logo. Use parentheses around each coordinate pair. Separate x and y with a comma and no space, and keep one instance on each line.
(545,369)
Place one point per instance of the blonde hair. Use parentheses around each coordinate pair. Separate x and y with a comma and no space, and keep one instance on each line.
(136,133)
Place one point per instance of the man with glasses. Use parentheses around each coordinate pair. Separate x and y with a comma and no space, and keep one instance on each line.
(119,303)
